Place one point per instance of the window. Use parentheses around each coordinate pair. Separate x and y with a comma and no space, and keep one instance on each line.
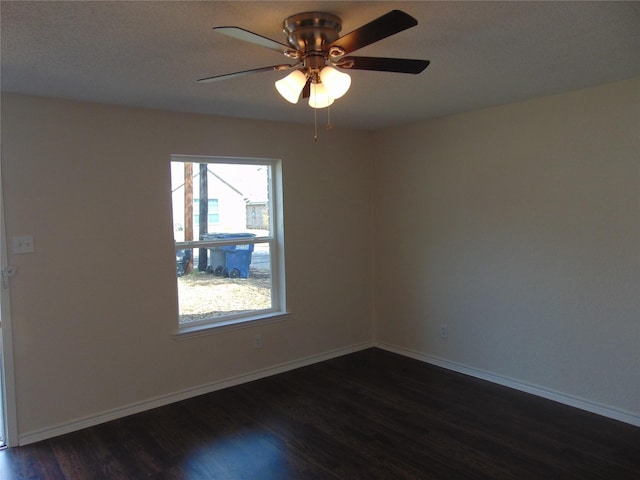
(213,217)
(229,245)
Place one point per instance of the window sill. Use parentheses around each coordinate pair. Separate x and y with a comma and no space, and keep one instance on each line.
(187,332)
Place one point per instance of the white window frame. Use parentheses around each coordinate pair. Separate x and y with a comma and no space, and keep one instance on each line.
(275,241)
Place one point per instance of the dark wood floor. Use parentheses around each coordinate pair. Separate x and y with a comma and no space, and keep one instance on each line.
(370,415)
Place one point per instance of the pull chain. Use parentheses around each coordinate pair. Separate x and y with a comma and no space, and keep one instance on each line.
(315,124)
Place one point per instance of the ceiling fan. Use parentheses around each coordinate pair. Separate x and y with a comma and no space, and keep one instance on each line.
(320,54)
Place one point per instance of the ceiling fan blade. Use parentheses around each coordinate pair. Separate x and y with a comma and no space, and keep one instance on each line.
(306,91)
(380,64)
(226,76)
(256,39)
(382,27)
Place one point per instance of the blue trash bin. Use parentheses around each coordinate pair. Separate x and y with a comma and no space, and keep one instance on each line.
(238,263)
(237,257)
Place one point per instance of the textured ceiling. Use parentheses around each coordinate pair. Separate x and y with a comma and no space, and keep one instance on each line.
(149,54)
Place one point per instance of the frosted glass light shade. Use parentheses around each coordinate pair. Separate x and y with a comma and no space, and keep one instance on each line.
(319,97)
(337,82)
(291,86)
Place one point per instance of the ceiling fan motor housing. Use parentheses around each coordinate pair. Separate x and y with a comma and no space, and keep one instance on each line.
(312,31)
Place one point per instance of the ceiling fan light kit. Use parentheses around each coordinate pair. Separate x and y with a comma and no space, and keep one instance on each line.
(291,86)
(319,96)
(314,43)
(337,82)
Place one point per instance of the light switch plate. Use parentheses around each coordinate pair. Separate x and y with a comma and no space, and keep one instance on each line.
(23,244)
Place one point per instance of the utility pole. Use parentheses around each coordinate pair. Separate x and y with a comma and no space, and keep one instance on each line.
(188,209)
(204,215)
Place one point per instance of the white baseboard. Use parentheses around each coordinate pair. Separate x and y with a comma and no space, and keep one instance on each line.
(582,404)
(90,421)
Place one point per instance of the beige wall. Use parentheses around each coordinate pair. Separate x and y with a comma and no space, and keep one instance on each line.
(94,308)
(519,228)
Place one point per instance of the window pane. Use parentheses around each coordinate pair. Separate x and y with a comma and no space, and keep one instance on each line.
(237,198)
(205,295)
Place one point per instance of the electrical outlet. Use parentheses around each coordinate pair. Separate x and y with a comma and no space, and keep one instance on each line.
(257,341)
(444,331)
